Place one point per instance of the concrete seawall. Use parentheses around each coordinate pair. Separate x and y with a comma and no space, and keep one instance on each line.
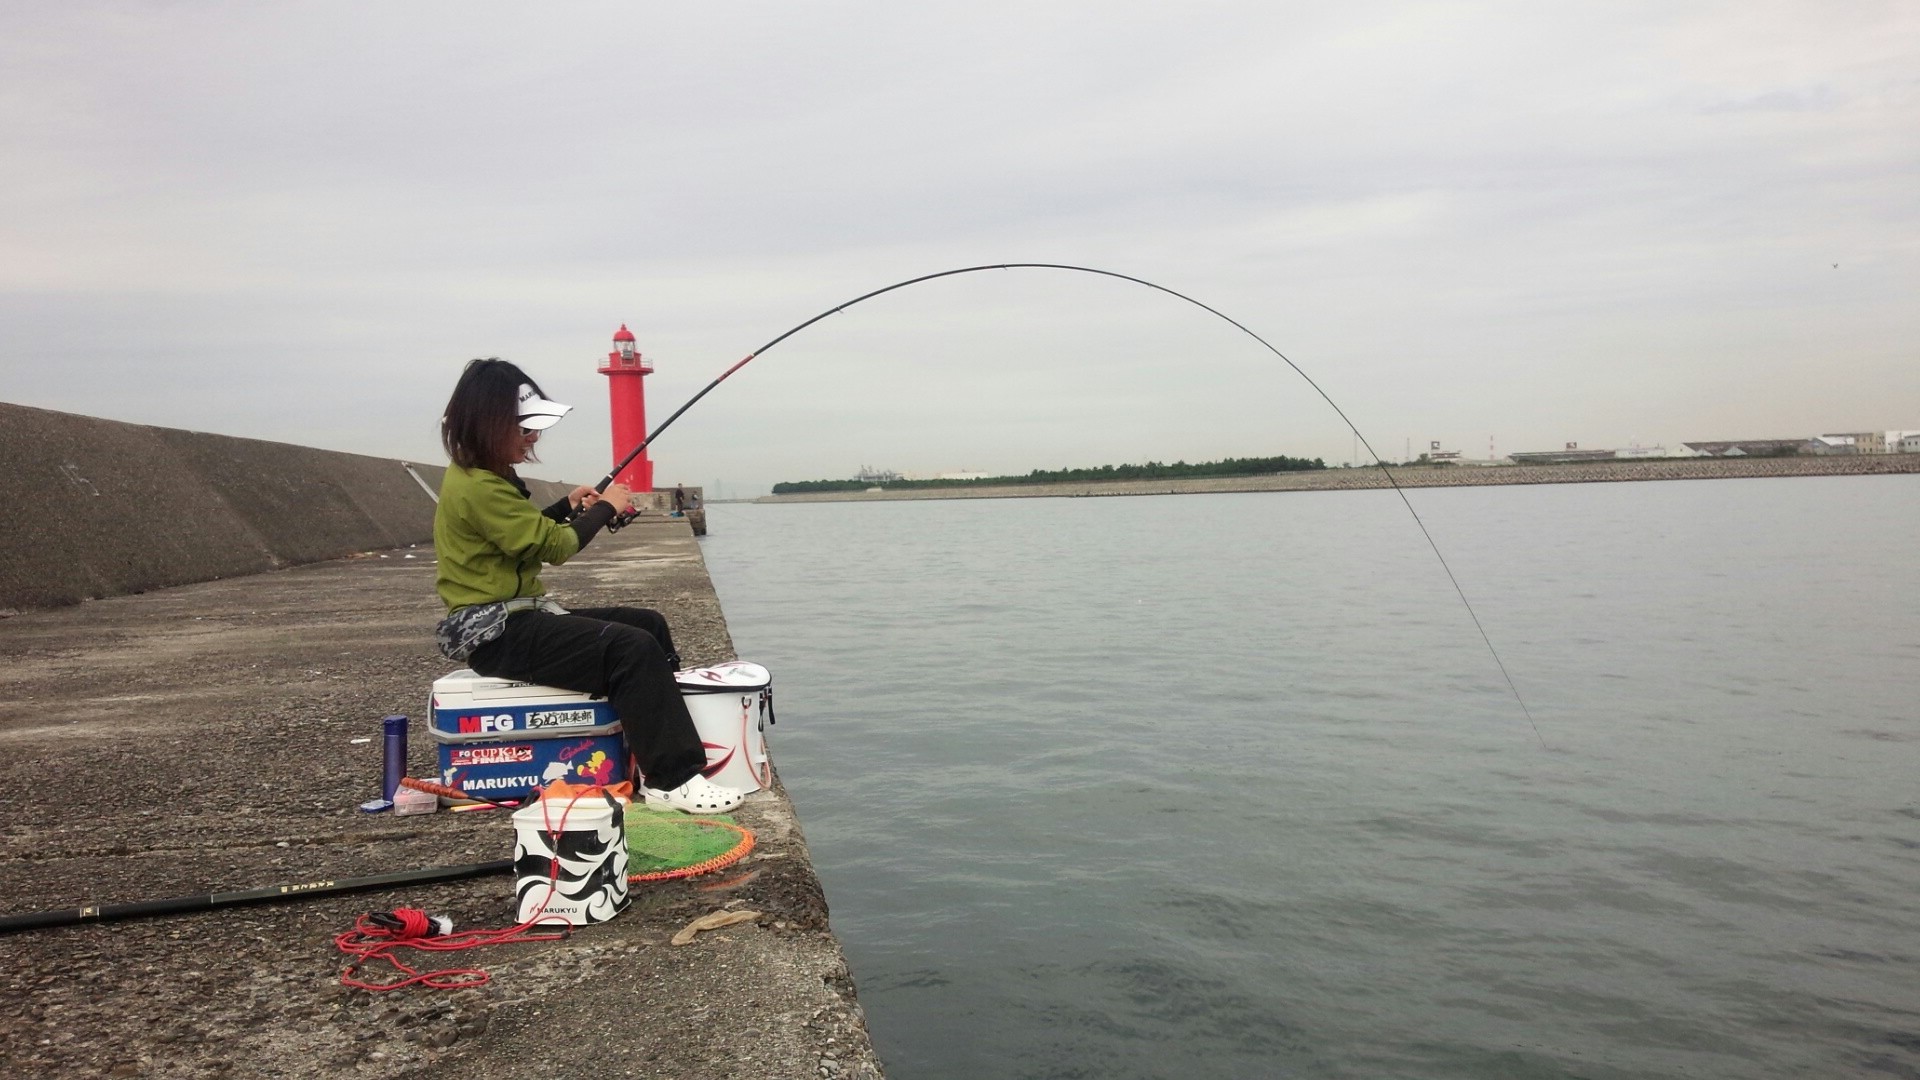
(114,508)
(1412,477)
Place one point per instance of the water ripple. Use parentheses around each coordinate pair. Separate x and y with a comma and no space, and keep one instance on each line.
(1228,786)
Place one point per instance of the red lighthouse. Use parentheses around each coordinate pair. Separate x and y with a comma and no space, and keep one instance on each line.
(625,370)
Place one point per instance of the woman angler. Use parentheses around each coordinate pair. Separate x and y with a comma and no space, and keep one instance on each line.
(492,541)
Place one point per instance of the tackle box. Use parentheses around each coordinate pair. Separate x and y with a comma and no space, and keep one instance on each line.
(505,739)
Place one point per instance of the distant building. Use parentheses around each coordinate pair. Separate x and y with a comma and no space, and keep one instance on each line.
(1559,457)
(1908,442)
(1747,448)
(870,475)
(1863,442)
(1643,452)
(1827,445)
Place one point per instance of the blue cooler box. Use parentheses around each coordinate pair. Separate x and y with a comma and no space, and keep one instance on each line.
(504,739)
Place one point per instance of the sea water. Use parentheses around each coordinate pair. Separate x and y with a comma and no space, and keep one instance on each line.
(1232,786)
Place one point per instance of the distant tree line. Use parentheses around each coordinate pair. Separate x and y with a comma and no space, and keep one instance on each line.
(1152,470)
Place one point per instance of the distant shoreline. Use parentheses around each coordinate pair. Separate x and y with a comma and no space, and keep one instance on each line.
(1411,476)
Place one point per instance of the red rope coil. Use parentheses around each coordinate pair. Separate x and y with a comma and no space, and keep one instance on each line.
(380,936)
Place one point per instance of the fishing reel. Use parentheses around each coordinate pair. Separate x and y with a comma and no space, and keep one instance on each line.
(621,518)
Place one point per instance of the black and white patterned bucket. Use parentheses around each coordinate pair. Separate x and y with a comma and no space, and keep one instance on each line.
(570,860)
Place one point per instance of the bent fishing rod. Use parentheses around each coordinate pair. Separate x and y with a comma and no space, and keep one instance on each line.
(1378,462)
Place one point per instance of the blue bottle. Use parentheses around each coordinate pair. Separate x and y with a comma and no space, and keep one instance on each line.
(394,766)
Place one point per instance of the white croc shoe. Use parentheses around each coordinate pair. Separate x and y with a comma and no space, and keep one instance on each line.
(697,796)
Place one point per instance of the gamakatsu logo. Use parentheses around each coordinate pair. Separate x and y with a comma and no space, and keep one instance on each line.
(492,783)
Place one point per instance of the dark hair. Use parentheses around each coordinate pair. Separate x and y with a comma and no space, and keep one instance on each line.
(481,426)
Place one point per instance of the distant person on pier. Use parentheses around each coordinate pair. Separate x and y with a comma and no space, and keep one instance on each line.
(679,499)
(491,542)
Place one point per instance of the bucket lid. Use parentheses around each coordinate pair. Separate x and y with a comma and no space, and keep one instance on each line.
(733,676)
(589,812)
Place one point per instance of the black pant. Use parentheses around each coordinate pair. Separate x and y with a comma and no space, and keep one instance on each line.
(622,654)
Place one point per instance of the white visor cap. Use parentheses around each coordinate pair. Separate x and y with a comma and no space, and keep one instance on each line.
(536,412)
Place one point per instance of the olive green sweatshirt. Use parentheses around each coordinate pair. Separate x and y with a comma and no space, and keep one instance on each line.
(491,541)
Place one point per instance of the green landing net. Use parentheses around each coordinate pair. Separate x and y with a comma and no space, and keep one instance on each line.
(663,846)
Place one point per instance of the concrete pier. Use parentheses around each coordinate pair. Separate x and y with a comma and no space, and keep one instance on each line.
(218,737)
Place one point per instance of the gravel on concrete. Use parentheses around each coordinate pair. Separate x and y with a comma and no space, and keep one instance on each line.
(219,737)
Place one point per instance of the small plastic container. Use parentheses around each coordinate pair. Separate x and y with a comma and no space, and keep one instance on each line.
(408,801)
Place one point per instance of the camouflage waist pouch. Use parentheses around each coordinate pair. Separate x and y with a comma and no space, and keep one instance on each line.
(473,626)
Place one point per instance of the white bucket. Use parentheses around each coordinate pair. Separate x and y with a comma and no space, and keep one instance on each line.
(731,705)
(570,860)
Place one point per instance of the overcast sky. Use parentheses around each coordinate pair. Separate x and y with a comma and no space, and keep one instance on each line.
(1520,222)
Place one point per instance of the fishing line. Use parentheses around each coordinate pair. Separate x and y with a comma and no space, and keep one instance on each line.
(1377,460)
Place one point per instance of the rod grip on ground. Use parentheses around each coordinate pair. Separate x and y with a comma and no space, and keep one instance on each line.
(446,791)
